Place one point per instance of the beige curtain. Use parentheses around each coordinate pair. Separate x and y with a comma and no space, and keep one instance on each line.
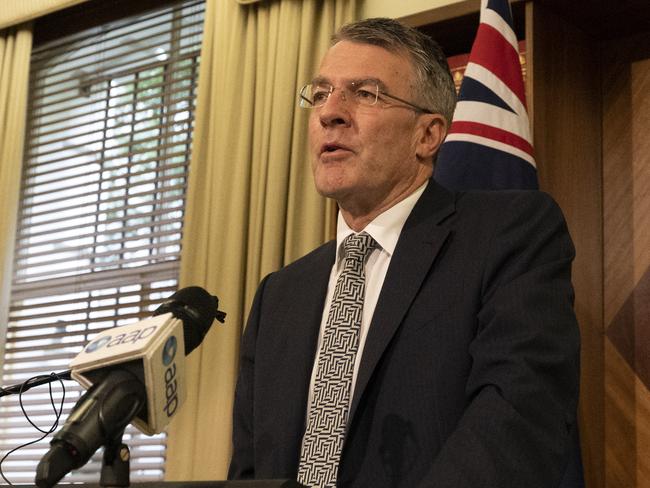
(14,12)
(15,48)
(251,204)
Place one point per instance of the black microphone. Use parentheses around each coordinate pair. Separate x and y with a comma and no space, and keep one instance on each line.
(98,418)
(195,306)
(134,375)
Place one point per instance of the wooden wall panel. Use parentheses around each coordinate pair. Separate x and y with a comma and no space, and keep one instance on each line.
(626,204)
(566,114)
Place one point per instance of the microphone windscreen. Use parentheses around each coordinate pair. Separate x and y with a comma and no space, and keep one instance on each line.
(197,309)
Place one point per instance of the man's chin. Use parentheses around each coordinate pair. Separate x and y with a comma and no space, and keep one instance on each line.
(337,183)
(329,192)
(330,187)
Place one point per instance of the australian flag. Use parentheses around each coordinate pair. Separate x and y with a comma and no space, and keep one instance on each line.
(489,146)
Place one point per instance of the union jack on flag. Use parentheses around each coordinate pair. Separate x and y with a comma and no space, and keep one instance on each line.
(489,144)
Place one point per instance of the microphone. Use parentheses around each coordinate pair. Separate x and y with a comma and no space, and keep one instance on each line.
(133,374)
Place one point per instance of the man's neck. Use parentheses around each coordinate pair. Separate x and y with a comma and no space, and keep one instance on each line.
(357,216)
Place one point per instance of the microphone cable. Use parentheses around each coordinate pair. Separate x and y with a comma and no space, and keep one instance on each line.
(24,387)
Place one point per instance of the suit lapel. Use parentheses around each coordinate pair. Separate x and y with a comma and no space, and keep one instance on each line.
(299,335)
(309,298)
(420,241)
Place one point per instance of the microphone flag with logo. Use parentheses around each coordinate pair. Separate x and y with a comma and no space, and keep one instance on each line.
(151,347)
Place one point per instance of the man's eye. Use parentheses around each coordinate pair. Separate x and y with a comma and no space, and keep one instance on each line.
(365,95)
(320,95)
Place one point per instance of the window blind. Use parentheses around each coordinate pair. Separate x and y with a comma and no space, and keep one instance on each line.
(100,221)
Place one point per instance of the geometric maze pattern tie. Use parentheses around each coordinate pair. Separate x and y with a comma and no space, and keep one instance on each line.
(328,410)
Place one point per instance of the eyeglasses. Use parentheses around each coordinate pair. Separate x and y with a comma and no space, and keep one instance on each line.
(364,93)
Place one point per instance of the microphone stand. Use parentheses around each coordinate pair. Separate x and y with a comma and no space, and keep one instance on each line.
(115,464)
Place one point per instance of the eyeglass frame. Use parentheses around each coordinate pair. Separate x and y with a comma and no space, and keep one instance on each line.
(350,88)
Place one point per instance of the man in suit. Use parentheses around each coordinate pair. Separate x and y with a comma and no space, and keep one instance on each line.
(461,367)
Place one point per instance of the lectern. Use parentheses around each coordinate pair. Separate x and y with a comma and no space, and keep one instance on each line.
(280,483)
(222,484)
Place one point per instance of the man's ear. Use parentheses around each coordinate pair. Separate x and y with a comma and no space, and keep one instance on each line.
(433,129)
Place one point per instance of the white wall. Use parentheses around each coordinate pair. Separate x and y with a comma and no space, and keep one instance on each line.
(420,12)
(401,8)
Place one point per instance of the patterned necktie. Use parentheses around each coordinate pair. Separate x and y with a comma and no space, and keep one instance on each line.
(328,409)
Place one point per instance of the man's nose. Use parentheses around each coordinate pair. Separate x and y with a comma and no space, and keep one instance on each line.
(336,109)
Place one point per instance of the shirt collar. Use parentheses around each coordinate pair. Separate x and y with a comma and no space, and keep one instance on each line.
(385,228)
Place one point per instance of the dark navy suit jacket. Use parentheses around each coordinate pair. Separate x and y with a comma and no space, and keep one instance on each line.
(469,375)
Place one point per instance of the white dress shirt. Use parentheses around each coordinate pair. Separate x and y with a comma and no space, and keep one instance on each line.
(385,229)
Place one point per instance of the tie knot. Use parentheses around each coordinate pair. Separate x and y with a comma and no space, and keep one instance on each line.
(358,246)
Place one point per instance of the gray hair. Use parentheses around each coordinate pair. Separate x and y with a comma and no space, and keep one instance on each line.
(433,81)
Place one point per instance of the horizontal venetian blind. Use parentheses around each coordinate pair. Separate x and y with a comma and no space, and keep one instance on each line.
(99,230)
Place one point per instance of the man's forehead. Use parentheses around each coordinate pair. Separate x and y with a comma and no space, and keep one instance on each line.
(348,61)
(361,51)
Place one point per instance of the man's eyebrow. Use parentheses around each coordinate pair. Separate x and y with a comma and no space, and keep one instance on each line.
(380,84)
(321,80)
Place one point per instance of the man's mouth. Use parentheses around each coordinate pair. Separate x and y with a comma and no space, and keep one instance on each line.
(332,148)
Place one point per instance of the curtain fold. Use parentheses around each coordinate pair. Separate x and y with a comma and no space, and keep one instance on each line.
(251,206)
(15,49)
(14,12)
